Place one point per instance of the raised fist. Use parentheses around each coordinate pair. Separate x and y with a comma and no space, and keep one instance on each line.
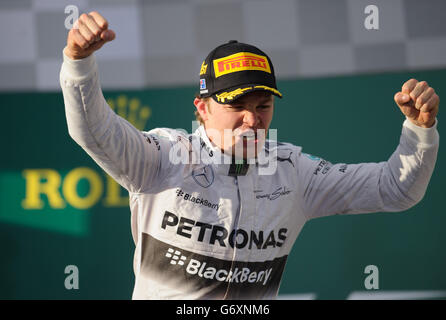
(418,102)
(89,33)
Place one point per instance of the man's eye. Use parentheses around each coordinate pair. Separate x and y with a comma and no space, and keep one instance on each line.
(263,107)
(237,107)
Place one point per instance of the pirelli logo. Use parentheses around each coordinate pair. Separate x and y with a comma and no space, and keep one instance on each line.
(239,62)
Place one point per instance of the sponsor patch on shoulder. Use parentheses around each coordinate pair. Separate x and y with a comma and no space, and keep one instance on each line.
(152,137)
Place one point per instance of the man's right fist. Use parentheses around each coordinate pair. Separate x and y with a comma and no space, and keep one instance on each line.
(88,34)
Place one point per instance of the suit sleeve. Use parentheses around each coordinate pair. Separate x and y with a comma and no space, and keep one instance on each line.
(393,185)
(128,155)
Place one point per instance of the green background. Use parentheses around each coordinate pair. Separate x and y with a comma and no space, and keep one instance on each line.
(342,119)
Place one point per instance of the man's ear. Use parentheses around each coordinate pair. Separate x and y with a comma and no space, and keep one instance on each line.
(202,109)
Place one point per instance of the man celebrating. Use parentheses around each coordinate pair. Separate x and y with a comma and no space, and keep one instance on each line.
(213,225)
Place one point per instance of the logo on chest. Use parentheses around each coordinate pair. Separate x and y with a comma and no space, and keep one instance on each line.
(203,176)
(279,192)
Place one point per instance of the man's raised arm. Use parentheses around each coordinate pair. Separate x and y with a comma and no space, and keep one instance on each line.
(119,148)
(393,185)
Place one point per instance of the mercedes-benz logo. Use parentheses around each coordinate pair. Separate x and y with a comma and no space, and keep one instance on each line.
(203,176)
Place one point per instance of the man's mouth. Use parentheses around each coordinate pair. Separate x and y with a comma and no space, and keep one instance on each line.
(251,137)
(247,141)
(248,135)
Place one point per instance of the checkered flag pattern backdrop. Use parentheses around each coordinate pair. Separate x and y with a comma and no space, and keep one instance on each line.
(162,43)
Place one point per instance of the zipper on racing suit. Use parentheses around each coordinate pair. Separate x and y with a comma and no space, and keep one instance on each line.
(236,223)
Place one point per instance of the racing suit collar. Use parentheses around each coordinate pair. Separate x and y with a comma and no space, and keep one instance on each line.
(223,163)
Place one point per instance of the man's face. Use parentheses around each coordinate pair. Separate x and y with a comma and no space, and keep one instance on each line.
(239,128)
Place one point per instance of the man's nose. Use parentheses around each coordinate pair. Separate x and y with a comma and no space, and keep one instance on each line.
(251,118)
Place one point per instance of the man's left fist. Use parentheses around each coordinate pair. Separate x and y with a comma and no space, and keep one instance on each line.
(418,102)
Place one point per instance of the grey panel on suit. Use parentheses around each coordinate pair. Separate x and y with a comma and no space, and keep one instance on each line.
(218,23)
(17,76)
(425,18)
(323,21)
(51,35)
(380,57)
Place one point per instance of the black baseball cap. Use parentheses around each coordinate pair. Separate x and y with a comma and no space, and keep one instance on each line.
(233,69)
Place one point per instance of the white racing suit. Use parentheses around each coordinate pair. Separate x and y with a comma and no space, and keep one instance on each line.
(210,230)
